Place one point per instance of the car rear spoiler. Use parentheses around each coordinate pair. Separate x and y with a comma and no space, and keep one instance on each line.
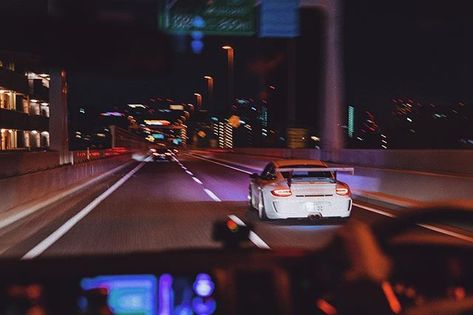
(350,170)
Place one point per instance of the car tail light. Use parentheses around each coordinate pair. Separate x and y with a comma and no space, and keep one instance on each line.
(342,189)
(281,192)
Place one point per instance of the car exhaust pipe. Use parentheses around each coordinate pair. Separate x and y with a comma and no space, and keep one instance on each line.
(315,217)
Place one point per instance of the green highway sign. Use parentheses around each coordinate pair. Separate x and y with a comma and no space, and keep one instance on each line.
(217,17)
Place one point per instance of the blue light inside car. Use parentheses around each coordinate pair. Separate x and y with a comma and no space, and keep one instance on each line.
(181,296)
(184,311)
(127,294)
(203,306)
(203,285)
(166,296)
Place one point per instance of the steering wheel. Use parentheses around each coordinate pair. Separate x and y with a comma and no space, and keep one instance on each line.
(367,249)
(390,228)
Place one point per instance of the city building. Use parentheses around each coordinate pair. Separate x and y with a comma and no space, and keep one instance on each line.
(243,136)
(24,106)
(264,116)
(224,133)
(183,136)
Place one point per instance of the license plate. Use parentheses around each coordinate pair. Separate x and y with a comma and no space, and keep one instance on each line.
(315,206)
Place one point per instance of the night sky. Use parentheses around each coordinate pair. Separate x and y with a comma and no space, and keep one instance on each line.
(405,48)
(408,48)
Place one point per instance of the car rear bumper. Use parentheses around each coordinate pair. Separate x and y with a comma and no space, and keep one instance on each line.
(282,208)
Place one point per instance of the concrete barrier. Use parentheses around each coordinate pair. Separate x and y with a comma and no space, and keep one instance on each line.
(23,162)
(401,177)
(18,190)
(435,161)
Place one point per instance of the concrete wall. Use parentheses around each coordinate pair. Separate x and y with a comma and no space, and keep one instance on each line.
(436,161)
(399,177)
(408,187)
(18,190)
(275,152)
(22,162)
(126,139)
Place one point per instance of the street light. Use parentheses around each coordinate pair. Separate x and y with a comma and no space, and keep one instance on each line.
(230,63)
(198,98)
(210,89)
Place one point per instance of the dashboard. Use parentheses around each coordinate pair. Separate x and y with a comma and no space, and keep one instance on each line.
(146,294)
(200,282)
(231,281)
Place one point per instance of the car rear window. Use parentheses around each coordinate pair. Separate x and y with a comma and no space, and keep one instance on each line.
(306,175)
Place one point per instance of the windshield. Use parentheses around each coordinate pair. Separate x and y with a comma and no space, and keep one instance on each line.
(93,93)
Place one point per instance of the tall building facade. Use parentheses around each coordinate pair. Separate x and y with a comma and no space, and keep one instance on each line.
(224,133)
(24,107)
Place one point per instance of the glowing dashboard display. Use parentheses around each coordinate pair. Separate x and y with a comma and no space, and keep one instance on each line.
(151,295)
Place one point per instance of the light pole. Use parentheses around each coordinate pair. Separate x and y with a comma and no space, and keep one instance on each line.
(198,98)
(230,63)
(210,89)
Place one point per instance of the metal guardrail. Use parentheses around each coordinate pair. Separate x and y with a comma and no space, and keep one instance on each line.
(91,155)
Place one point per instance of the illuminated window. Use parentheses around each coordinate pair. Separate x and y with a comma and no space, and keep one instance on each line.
(8,139)
(45,109)
(26,139)
(26,105)
(44,140)
(2,139)
(34,107)
(7,99)
(35,139)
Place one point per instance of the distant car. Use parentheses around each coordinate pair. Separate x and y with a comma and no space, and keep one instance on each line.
(299,189)
(162,154)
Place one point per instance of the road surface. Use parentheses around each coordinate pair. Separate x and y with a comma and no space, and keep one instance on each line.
(158,206)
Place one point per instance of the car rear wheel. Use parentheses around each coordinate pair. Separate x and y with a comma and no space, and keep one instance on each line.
(343,220)
(261,211)
(250,199)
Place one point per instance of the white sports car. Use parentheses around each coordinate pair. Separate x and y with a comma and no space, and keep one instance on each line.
(299,189)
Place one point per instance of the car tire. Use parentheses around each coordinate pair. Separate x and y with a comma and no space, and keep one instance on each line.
(261,211)
(250,200)
(344,220)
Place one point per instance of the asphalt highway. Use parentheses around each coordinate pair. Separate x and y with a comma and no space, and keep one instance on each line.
(154,206)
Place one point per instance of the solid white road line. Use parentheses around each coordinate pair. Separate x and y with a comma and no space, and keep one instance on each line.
(56,235)
(447,232)
(221,164)
(378,211)
(254,238)
(40,205)
(386,214)
(212,195)
(196,180)
(426,226)
(236,219)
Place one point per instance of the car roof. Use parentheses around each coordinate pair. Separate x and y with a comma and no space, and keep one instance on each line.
(289,163)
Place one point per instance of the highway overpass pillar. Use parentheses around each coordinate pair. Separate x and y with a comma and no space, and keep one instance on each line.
(58,129)
(333,87)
